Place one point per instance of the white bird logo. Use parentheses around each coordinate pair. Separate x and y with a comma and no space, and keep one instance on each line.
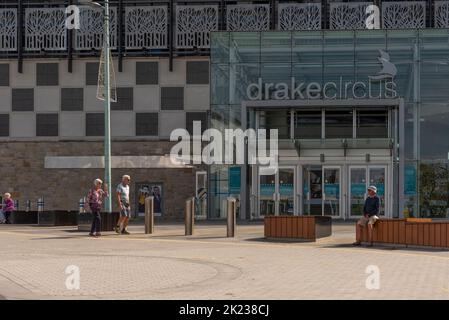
(388,69)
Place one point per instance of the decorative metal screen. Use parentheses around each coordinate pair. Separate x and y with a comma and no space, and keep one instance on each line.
(347,15)
(441,14)
(194,24)
(91,32)
(45,29)
(404,14)
(146,27)
(299,16)
(8,29)
(248,17)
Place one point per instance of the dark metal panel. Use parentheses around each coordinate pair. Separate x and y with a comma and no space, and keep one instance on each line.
(120,36)
(171,27)
(70,47)
(20,36)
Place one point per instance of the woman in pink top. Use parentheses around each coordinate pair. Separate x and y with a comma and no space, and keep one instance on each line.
(8,207)
(95,202)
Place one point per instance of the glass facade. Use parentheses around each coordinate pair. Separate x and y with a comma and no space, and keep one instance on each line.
(421,60)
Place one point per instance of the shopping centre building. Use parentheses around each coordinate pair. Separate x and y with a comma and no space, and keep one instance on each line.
(353,107)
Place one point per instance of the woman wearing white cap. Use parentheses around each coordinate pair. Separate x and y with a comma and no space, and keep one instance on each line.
(370,212)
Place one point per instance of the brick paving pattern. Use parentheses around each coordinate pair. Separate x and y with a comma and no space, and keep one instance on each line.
(168,265)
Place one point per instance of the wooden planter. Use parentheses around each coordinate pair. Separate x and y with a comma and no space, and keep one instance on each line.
(108,221)
(57,218)
(22,217)
(307,228)
(414,232)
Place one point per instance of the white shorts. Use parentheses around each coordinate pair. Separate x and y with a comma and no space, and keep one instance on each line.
(364,221)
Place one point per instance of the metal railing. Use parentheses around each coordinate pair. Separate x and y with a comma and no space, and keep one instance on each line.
(162,26)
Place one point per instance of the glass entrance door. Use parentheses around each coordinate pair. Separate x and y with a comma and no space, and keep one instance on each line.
(277,192)
(267,193)
(376,176)
(321,189)
(331,187)
(360,178)
(286,185)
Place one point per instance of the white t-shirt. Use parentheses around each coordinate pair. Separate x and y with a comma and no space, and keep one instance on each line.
(124,192)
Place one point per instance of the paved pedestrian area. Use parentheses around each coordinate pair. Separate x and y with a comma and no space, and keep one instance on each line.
(167,265)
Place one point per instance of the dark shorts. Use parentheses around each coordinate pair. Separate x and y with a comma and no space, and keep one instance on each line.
(126,213)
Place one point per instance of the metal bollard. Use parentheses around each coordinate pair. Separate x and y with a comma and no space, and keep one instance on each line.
(231,218)
(81,205)
(149,215)
(28,206)
(189,215)
(40,204)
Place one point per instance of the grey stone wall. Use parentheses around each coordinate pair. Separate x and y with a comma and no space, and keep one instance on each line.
(22,173)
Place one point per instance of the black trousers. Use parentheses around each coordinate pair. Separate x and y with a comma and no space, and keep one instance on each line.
(96,222)
(7,215)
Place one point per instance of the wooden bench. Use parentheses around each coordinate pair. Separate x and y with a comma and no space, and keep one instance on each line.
(306,228)
(409,232)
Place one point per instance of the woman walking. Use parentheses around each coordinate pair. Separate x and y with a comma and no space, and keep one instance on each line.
(95,200)
(8,207)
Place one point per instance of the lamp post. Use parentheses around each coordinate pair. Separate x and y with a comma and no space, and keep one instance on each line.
(107,98)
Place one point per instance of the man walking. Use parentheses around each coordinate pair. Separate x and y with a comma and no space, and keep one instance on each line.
(123,204)
(370,212)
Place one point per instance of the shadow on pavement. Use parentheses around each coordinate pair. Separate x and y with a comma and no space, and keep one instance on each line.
(384,247)
(263,239)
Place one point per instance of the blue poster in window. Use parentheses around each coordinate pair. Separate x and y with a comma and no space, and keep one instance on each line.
(410,181)
(267,189)
(332,190)
(380,189)
(286,189)
(358,189)
(234,180)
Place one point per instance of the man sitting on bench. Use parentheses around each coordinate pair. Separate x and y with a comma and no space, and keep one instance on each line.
(370,212)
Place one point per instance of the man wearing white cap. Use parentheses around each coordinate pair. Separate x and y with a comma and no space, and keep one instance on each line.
(370,212)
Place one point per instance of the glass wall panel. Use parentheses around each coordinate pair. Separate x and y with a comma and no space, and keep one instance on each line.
(367,45)
(220,117)
(308,73)
(235,116)
(410,128)
(276,73)
(339,124)
(433,190)
(276,47)
(276,120)
(244,47)
(308,124)
(402,48)
(434,135)
(422,74)
(307,47)
(219,191)
(338,46)
(240,77)
(220,84)
(410,190)
(434,94)
(219,50)
(372,123)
